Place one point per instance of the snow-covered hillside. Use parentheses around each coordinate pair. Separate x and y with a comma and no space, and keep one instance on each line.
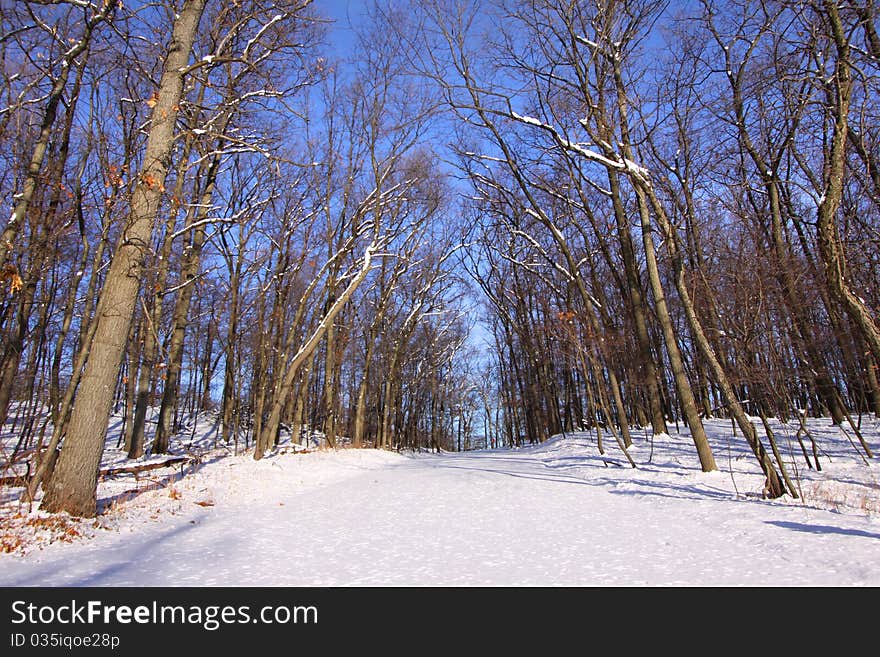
(554,514)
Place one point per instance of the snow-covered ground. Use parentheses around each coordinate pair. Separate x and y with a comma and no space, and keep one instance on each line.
(554,514)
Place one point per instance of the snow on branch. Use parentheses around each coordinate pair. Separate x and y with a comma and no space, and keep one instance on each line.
(276,18)
(569,145)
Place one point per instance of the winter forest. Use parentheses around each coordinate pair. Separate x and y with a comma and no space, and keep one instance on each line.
(437,225)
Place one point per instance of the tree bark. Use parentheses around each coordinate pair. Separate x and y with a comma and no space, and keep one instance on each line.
(682,384)
(774,486)
(153,316)
(74,483)
(637,304)
(830,248)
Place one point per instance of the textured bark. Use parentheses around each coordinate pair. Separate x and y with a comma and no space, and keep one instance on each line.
(73,485)
(45,466)
(830,247)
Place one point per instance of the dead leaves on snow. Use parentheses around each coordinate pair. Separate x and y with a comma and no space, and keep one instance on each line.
(22,531)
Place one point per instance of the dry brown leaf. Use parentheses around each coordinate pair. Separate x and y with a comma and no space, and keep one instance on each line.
(10,275)
(152,182)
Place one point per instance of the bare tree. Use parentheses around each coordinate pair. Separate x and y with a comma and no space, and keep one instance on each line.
(73,483)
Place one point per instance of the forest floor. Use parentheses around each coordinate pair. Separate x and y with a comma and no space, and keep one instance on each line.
(553,514)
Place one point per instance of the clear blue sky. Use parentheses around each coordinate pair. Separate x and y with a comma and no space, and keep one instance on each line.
(346,14)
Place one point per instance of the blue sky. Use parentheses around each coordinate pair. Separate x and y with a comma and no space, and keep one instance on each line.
(345,13)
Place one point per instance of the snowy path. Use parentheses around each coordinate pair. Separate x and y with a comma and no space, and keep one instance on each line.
(549,516)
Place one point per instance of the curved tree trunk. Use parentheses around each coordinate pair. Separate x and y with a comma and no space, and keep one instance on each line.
(682,385)
(774,486)
(830,248)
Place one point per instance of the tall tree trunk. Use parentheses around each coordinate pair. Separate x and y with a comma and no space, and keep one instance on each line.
(329,387)
(153,317)
(637,304)
(682,384)
(830,248)
(73,485)
(192,259)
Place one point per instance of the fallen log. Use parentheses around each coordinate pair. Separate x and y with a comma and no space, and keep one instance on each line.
(143,467)
(21,480)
